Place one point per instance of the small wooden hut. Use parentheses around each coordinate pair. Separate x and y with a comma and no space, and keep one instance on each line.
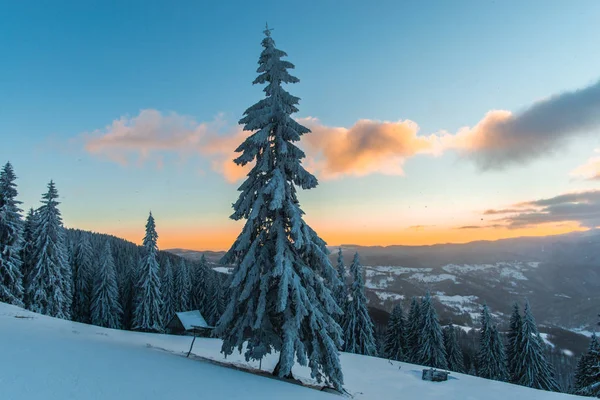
(189,323)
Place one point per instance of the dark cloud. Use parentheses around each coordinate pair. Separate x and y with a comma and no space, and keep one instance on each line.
(582,207)
(507,211)
(420,227)
(502,138)
(480,226)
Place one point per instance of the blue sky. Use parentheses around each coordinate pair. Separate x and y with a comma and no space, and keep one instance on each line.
(70,69)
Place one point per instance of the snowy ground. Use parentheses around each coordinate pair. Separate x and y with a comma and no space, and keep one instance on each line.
(51,359)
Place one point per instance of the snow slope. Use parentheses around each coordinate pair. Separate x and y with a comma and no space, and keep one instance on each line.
(51,359)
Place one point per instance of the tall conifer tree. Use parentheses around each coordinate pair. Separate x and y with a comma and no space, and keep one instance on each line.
(514,339)
(431,350)
(167,289)
(183,286)
(395,337)
(50,283)
(499,356)
(215,305)
(105,307)
(279,299)
(413,330)
(11,240)
(491,358)
(454,354)
(358,329)
(83,271)
(587,376)
(532,368)
(148,317)
(28,252)
(199,286)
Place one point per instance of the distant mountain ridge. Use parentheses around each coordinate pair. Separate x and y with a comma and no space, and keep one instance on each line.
(560,275)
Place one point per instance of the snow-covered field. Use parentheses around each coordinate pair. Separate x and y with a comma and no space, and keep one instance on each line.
(52,359)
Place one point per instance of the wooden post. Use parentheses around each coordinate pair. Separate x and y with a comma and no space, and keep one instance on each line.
(192,345)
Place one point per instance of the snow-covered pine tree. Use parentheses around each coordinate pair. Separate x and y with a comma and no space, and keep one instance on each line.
(342,289)
(148,311)
(215,305)
(11,240)
(499,355)
(183,286)
(532,368)
(484,355)
(167,289)
(127,282)
(83,271)
(395,337)
(28,252)
(587,376)
(279,299)
(199,287)
(50,281)
(358,327)
(105,308)
(454,354)
(431,350)
(514,339)
(413,330)
(491,357)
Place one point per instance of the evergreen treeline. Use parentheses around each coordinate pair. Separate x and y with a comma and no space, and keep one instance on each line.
(95,278)
(520,356)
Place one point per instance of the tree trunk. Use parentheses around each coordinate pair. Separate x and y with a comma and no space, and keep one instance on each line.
(278,368)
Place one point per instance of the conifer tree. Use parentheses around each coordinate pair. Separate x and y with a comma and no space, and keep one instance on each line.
(167,288)
(413,330)
(279,299)
(514,339)
(532,368)
(83,270)
(183,286)
(587,376)
(342,290)
(358,329)
(148,317)
(215,305)
(105,308)
(198,291)
(454,354)
(499,355)
(431,350)
(128,291)
(491,357)
(11,240)
(50,282)
(395,337)
(28,252)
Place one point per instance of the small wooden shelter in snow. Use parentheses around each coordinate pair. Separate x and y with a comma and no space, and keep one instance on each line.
(430,374)
(188,323)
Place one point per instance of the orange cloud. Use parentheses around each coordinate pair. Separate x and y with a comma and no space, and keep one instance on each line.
(590,170)
(150,134)
(365,148)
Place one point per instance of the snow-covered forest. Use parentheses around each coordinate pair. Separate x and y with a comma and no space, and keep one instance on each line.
(284,297)
(95,278)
